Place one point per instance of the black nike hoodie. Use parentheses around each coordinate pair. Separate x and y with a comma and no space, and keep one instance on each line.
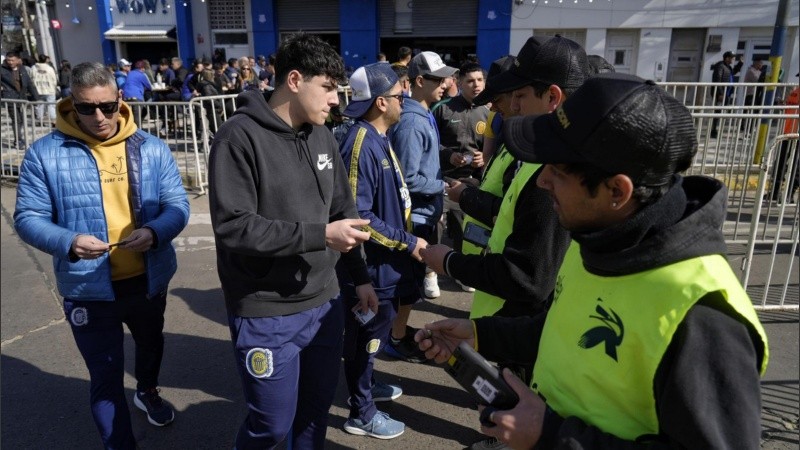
(272,191)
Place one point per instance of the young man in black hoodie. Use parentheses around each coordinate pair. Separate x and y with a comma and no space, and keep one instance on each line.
(651,340)
(283,214)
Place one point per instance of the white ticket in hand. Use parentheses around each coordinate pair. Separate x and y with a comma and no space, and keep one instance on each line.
(363,318)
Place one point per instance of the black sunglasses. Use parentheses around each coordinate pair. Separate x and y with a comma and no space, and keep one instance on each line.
(88,109)
(399,97)
(433,78)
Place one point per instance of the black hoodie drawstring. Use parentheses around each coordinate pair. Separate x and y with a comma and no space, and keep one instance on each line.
(301,141)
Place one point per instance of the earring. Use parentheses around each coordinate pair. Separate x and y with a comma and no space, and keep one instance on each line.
(614,204)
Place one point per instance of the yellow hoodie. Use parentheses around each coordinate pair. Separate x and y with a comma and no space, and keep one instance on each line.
(113,168)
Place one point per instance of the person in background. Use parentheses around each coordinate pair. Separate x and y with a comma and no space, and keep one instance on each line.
(499,108)
(208,86)
(65,77)
(148,70)
(381,197)
(723,72)
(283,215)
(232,71)
(108,222)
(381,57)
(651,341)
(403,56)
(416,140)
(247,78)
(752,94)
(16,85)
(461,125)
(46,82)
(782,158)
(402,74)
(121,73)
(137,84)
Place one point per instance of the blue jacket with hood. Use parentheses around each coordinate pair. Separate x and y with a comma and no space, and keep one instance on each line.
(59,196)
(415,139)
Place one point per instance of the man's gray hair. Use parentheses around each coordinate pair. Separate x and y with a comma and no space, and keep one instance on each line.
(91,74)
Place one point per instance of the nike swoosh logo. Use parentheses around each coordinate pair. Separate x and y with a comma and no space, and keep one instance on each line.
(455,120)
(321,164)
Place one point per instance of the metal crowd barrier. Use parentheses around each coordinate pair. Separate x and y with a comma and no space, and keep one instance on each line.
(762,235)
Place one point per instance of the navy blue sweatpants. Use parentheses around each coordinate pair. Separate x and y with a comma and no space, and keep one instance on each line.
(97,328)
(361,344)
(289,367)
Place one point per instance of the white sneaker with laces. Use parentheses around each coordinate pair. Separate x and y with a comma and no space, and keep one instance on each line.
(430,285)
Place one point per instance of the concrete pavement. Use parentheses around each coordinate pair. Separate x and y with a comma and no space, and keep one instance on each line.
(45,383)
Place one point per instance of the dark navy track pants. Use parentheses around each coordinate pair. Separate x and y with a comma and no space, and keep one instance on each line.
(289,366)
(97,328)
(361,344)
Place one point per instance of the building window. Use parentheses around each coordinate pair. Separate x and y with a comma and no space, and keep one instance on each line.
(227,15)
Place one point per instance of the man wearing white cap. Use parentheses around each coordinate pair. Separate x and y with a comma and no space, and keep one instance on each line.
(416,140)
(381,196)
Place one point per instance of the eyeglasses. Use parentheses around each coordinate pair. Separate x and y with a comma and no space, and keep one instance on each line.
(245,68)
(399,97)
(88,109)
(434,79)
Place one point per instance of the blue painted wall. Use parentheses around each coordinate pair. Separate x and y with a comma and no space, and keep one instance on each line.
(359,32)
(104,23)
(265,27)
(184,32)
(494,30)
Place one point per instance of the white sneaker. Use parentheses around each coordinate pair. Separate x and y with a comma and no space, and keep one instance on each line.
(464,287)
(430,285)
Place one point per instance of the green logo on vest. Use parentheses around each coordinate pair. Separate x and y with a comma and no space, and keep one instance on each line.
(606,333)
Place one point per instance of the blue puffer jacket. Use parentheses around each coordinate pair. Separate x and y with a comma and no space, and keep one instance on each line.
(59,197)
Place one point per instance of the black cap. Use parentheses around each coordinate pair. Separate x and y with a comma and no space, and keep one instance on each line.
(728,54)
(618,123)
(555,60)
(498,66)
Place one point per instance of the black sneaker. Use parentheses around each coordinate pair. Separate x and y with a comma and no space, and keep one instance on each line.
(488,444)
(405,348)
(159,413)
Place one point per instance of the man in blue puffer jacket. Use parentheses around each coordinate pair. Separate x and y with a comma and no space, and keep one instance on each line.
(106,200)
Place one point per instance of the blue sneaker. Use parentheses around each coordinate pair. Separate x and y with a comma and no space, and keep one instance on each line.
(159,413)
(381,426)
(382,392)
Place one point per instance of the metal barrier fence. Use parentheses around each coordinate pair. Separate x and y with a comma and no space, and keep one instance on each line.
(741,143)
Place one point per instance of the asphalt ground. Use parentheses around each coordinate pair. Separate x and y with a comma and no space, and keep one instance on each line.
(45,385)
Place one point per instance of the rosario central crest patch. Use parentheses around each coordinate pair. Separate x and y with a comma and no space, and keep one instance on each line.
(373,345)
(79,316)
(259,362)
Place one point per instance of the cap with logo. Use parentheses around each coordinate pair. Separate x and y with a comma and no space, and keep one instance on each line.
(618,123)
(728,54)
(498,66)
(429,63)
(124,62)
(555,60)
(368,83)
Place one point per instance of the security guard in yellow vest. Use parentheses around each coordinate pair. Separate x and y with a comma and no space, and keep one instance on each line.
(651,339)
(515,272)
